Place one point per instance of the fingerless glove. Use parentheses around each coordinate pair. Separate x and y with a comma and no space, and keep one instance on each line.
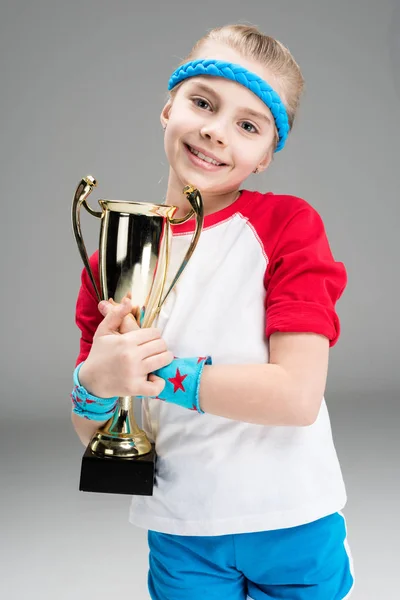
(88,406)
(182,381)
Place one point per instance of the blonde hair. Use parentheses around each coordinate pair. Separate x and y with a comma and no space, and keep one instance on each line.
(251,43)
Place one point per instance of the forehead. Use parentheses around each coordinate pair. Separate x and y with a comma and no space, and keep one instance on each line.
(220,51)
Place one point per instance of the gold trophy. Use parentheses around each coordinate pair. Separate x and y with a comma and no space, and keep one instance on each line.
(134,248)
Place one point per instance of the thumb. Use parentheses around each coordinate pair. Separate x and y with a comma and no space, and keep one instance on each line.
(114,316)
(155,385)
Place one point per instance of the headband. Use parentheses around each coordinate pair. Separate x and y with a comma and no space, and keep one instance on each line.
(259,87)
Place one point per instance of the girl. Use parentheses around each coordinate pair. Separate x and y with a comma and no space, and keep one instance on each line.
(248,490)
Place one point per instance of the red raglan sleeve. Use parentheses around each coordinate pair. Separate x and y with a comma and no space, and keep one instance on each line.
(87,315)
(303,280)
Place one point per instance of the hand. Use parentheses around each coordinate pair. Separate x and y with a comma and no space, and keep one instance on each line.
(123,355)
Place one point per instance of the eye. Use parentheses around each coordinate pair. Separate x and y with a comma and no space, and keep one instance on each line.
(249,127)
(201,103)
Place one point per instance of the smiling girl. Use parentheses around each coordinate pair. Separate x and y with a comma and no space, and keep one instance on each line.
(248,487)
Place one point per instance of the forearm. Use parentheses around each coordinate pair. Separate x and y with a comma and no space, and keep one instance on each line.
(85,428)
(264,394)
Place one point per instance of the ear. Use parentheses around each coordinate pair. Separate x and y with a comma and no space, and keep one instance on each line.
(164,117)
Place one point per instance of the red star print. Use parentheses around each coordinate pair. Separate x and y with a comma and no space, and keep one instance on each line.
(201,358)
(177,381)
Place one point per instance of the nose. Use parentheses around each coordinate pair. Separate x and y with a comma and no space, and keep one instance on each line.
(214,132)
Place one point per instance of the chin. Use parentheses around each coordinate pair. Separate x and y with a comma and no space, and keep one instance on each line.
(186,177)
(206,183)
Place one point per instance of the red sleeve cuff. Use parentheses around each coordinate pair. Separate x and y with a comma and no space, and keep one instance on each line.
(303,317)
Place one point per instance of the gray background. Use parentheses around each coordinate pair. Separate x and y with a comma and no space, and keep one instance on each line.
(82,85)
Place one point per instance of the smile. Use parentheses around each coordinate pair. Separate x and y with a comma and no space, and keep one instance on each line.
(202,159)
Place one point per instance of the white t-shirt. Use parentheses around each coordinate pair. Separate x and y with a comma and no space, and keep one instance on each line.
(262,265)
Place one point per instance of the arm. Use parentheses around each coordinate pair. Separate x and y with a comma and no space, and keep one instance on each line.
(303,283)
(84,428)
(87,318)
(286,391)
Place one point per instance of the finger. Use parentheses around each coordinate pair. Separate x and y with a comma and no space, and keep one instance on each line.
(154,386)
(104,307)
(128,295)
(114,316)
(142,336)
(135,309)
(129,324)
(158,361)
(136,313)
(156,346)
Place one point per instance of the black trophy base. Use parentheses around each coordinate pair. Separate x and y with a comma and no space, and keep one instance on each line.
(133,476)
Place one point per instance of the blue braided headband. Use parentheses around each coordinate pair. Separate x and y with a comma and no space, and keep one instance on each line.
(220,68)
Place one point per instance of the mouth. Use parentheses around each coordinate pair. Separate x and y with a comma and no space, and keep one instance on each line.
(204,160)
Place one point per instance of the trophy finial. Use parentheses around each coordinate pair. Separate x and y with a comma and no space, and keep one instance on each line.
(189,189)
(90,180)
(83,190)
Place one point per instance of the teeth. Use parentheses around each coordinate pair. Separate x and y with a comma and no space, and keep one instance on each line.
(204,157)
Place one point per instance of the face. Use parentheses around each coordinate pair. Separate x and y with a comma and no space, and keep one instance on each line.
(218,131)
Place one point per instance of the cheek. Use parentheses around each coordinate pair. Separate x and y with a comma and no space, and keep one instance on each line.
(171,137)
(251,152)
(247,154)
(246,160)
(176,131)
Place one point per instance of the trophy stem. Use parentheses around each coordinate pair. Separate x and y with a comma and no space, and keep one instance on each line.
(121,436)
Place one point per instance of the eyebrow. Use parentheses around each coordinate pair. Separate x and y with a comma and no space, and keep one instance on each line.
(249,111)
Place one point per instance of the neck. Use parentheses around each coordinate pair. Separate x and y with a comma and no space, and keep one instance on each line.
(211,202)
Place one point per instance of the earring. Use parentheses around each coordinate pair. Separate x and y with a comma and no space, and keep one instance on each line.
(256,170)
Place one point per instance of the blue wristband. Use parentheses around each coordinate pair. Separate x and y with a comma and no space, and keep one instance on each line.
(88,406)
(182,381)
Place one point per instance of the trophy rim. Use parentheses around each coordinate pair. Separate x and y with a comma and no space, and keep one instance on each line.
(138,208)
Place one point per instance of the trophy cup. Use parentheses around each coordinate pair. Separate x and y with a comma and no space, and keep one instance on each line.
(134,249)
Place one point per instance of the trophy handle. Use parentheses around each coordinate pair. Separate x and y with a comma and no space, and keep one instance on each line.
(195,199)
(83,190)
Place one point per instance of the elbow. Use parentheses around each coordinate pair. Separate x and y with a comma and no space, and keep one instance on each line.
(310,410)
(76,422)
(303,406)
(85,428)
(307,420)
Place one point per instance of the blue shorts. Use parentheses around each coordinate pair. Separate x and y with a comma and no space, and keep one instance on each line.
(307,562)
